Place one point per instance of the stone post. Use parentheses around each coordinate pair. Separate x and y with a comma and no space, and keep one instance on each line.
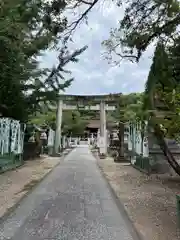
(103,144)
(64,142)
(57,141)
(130,138)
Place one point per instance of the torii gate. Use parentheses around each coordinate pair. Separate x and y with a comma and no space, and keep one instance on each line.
(100,103)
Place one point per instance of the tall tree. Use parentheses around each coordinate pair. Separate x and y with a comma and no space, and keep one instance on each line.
(128,110)
(27,28)
(159,88)
(48,90)
(144,22)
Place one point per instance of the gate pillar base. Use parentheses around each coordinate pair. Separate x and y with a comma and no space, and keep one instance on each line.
(102,155)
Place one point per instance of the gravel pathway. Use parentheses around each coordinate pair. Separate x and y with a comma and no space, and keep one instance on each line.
(72,203)
(150,201)
(17,183)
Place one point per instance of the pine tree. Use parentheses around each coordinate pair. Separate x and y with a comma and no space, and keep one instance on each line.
(27,28)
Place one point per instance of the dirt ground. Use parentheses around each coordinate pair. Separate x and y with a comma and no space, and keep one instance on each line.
(149,201)
(15,184)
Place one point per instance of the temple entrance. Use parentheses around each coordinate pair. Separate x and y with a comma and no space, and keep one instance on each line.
(101,103)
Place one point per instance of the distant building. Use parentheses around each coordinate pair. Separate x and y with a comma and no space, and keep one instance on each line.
(94,125)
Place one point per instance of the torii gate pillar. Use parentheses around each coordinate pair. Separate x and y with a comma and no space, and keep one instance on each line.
(103,140)
(106,103)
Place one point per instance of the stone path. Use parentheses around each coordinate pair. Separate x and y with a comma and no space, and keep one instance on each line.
(72,203)
(17,183)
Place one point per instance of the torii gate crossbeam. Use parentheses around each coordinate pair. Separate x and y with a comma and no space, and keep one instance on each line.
(100,103)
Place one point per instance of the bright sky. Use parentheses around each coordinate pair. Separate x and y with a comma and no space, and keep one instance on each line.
(93,75)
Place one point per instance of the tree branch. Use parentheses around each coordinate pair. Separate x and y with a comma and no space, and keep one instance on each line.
(63,60)
(88,3)
(74,24)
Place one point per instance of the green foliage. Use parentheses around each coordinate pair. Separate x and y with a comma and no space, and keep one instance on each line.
(27,29)
(72,122)
(44,119)
(144,22)
(162,89)
(129,107)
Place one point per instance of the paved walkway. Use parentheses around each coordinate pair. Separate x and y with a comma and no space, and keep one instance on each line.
(72,203)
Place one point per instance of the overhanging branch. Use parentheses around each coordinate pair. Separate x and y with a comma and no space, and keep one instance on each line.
(75,23)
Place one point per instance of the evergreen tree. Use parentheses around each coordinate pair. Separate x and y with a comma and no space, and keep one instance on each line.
(159,88)
(27,28)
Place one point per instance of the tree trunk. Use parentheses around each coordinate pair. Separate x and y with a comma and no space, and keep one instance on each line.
(160,137)
(164,147)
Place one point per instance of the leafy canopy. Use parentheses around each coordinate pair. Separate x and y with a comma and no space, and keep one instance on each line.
(27,29)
